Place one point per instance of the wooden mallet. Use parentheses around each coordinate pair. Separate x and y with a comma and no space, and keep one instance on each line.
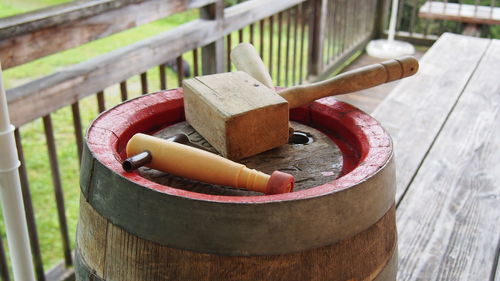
(240,116)
(193,163)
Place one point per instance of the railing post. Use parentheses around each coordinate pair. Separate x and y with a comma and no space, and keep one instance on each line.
(380,19)
(316,32)
(212,55)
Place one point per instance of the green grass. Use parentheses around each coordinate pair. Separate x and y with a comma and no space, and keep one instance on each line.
(14,7)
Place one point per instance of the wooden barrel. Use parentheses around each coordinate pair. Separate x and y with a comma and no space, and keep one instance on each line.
(339,223)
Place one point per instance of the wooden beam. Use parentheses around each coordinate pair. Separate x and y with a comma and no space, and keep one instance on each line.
(59,14)
(27,37)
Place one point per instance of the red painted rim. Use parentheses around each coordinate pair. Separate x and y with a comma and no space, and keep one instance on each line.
(365,145)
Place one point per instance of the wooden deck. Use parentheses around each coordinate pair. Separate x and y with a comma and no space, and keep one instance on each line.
(445,124)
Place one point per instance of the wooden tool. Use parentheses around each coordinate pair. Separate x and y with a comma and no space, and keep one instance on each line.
(240,116)
(246,59)
(189,162)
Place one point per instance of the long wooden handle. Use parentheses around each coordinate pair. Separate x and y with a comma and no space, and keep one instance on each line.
(351,81)
(245,58)
(197,164)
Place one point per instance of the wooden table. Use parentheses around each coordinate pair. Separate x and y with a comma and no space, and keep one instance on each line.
(445,123)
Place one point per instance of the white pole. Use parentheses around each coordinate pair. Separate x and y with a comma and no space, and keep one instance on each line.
(10,197)
(392,22)
(390,48)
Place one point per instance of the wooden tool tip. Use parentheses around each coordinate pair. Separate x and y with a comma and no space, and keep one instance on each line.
(409,65)
(280,183)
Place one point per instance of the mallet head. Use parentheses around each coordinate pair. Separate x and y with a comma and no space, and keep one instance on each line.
(236,114)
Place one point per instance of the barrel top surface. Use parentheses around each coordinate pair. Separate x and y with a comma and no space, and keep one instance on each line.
(312,164)
(365,145)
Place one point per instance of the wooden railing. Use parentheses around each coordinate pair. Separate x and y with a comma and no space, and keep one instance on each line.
(299,40)
(423,21)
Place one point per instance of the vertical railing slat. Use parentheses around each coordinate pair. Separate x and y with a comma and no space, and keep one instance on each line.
(228,52)
(271,41)
(336,30)
(261,37)
(354,22)
(303,13)
(180,70)
(240,35)
(123,90)
(280,35)
(77,125)
(330,32)
(101,103)
(212,55)
(252,27)
(345,25)
(58,191)
(163,76)
(400,14)
(196,66)
(294,58)
(287,48)
(413,16)
(28,208)
(144,83)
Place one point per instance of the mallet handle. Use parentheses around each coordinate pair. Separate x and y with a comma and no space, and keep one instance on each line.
(351,81)
(197,164)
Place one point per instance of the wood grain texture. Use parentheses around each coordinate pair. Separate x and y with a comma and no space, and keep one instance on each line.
(354,80)
(50,16)
(236,114)
(449,220)
(417,108)
(474,14)
(364,256)
(73,25)
(91,235)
